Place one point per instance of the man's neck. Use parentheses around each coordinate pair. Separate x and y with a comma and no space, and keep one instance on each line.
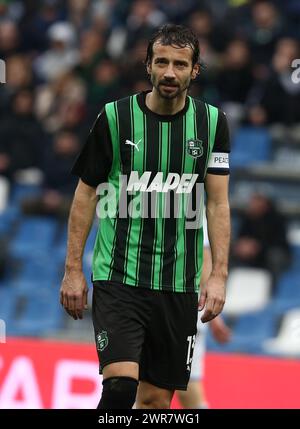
(163,106)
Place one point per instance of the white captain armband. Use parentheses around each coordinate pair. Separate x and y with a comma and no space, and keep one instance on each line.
(219,160)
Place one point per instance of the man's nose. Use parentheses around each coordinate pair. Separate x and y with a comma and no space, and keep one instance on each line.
(169,73)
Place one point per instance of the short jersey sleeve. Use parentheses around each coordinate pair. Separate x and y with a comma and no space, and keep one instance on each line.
(219,159)
(95,159)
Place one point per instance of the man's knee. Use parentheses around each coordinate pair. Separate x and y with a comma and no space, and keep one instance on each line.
(118,392)
(155,403)
(155,400)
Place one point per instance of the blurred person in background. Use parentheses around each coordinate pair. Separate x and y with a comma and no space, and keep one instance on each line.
(204,25)
(262,238)
(154,357)
(62,56)
(235,80)
(92,50)
(195,397)
(53,99)
(235,77)
(9,39)
(175,10)
(263,31)
(135,62)
(21,136)
(4,9)
(18,76)
(105,86)
(19,73)
(143,17)
(79,14)
(280,95)
(37,18)
(58,185)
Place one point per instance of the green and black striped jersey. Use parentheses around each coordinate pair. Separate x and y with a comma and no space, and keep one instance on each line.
(150,170)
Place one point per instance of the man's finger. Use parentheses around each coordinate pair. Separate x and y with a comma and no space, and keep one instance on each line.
(218,306)
(65,301)
(208,313)
(202,300)
(78,306)
(72,303)
(78,314)
(72,314)
(208,316)
(69,306)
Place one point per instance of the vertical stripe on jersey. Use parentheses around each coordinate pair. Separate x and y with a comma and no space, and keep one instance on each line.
(117,169)
(158,246)
(155,256)
(166,212)
(188,166)
(169,252)
(105,240)
(129,197)
(202,121)
(135,224)
(180,239)
(142,200)
(178,273)
(122,224)
(212,118)
(147,240)
(192,233)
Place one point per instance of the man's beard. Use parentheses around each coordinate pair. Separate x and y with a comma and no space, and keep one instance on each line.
(173,94)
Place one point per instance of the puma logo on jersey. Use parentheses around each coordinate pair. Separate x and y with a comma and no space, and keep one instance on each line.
(182,184)
(135,145)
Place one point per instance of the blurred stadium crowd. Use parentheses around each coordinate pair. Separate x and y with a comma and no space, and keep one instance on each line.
(65,59)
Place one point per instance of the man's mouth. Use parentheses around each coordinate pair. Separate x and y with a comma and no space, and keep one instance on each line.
(168,85)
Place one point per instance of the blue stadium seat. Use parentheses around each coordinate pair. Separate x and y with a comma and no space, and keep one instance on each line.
(19,192)
(296,257)
(287,292)
(7,304)
(7,218)
(41,313)
(249,331)
(30,286)
(40,269)
(250,145)
(34,234)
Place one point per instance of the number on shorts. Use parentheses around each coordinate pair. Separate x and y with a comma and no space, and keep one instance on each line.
(191,341)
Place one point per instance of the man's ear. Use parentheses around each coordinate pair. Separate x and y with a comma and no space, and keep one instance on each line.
(149,68)
(195,71)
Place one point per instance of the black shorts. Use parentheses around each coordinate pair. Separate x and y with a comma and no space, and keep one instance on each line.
(155,329)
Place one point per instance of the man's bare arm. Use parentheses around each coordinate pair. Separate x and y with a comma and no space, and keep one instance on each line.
(73,292)
(218,222)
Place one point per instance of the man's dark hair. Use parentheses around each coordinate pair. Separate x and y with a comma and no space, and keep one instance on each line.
(175,35)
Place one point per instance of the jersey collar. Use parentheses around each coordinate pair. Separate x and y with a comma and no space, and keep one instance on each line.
(141,99)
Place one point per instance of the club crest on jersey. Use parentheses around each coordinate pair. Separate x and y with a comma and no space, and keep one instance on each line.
(102,341)
(194,147)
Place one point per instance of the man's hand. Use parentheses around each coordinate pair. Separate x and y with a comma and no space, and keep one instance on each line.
(73,294)
(212,298)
